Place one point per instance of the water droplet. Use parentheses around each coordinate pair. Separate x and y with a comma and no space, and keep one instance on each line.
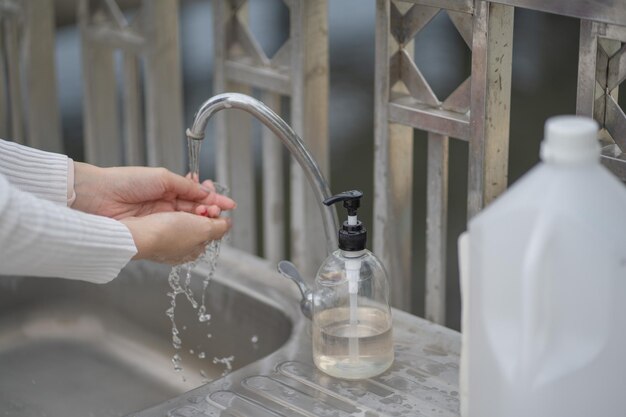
(227,361)
(183,286)
(201,355)
(255,339)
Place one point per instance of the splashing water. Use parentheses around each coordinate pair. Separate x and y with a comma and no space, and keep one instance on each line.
(228,361)
(180,278)
(193,146)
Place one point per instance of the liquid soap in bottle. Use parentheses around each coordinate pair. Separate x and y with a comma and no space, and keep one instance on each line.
(352,326)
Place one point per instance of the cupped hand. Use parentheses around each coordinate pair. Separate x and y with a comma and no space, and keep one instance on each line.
(123,192)
(174,238)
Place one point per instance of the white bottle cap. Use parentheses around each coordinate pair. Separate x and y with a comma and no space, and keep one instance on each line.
(570,139)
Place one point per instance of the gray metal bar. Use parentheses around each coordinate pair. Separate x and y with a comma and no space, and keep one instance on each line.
(607,11)
(4,98)
(408,112)
(14,80)
(393,165)
(273,189)
(133,118)
(309,117)
(464,6)
(617,69)
(587,55)
(43,124)
(415,81)
(615,122)
(436,227)
(113,37)
(264,77)
(102,132)
(458,101)
(612,31)
(163,83)
(242,185)
(490,103)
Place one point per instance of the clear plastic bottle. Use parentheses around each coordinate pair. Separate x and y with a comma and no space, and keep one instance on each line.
(352,325)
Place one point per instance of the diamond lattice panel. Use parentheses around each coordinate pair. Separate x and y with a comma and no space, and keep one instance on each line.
(423,23)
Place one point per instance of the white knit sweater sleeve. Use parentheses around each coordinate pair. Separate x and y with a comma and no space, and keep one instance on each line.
(41,238)
(41,173)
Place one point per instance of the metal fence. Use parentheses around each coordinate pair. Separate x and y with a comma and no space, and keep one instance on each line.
(149,120)
(478,111)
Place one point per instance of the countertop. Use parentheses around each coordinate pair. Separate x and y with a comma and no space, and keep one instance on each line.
(423,381)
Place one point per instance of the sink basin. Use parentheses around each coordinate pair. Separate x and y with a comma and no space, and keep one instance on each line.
(70,348)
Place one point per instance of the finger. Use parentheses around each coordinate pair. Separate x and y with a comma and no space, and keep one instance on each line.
(214,211)
(223,202)
(218,228)
(188,206)
(181,187)
(209,185)
(202,211)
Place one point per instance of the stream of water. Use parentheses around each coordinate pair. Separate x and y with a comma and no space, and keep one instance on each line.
(180,278)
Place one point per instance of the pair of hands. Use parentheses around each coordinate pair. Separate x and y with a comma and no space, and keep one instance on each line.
(170,217)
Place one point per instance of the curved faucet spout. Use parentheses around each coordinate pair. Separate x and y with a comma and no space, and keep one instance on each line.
(287,136)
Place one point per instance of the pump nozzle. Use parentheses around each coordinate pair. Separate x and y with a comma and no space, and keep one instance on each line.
(352,235)
(351,200)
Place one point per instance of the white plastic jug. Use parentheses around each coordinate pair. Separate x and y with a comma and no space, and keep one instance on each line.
(545,288)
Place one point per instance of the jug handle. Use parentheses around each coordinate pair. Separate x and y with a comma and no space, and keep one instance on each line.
(531,283)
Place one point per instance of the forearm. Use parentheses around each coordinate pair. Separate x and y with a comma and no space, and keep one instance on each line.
(44,174)
(40,238)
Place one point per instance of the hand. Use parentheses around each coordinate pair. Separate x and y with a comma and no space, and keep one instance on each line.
(123,192)
(174,238)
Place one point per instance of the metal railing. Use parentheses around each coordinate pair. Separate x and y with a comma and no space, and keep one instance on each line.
(477,111)
(299,71)
(154,135)
(27,74)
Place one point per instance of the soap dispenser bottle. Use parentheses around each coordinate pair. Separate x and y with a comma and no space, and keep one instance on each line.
(352,326)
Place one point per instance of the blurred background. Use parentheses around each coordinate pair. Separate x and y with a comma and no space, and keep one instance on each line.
(545,58)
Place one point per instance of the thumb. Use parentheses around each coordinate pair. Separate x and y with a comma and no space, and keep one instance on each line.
(219,227)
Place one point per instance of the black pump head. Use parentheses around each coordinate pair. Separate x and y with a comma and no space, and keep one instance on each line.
(351,200)
(352,237)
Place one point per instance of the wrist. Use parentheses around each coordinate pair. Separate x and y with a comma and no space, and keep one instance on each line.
(86,187)
(140,238)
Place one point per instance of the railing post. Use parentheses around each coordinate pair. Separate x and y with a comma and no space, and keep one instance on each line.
(164,96)
(490,104)
(299,70)
(405,101)
(309,118)
(152,36)
(30,114)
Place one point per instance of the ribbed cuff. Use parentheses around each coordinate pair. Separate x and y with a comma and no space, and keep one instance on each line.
(40,238)
(41,173)
(71,193)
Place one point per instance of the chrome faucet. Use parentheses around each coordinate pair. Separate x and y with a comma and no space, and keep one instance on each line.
(294,144)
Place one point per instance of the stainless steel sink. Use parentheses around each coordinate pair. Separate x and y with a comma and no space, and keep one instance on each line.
(70,348)
(76,349)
